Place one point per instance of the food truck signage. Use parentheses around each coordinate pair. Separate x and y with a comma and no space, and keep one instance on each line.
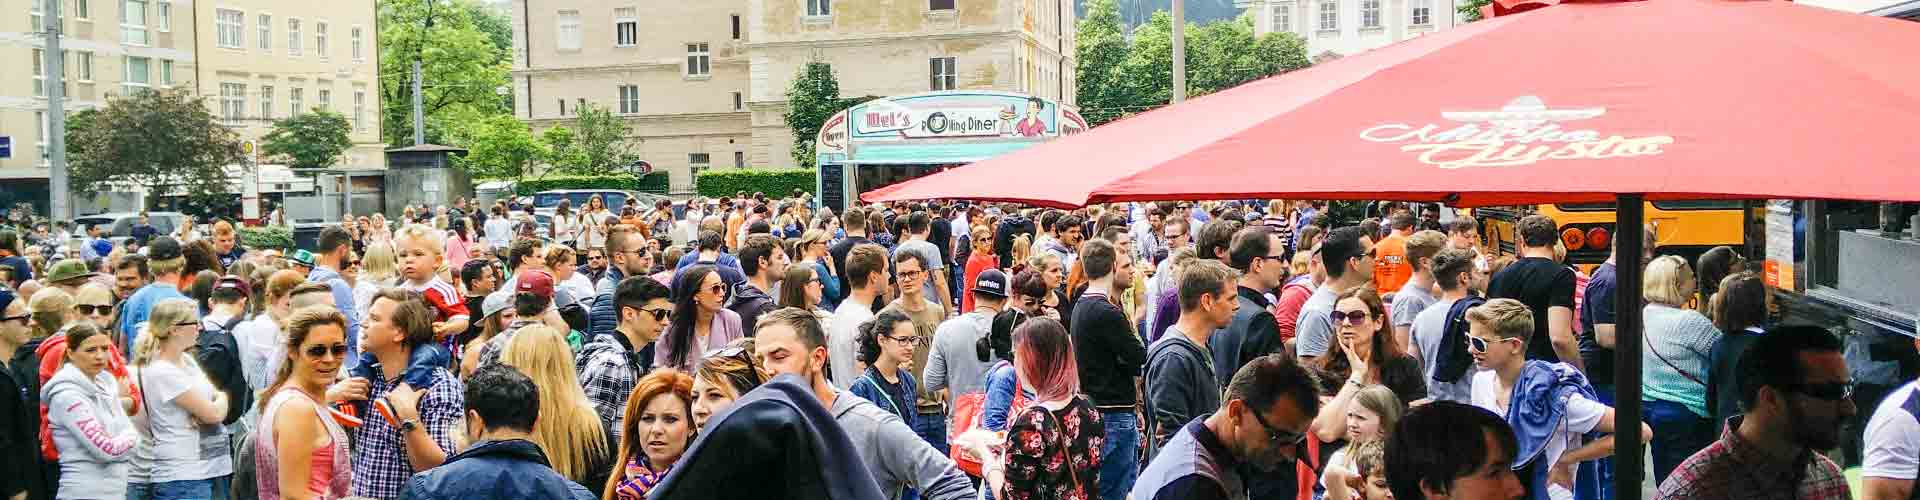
(942,128)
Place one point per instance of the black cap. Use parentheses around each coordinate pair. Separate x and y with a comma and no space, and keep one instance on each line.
(163,248)
(992,283)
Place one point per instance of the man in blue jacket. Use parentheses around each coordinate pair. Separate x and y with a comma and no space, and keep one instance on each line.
(503,462)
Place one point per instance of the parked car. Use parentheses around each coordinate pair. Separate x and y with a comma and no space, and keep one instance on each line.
(545,201)
(120,224)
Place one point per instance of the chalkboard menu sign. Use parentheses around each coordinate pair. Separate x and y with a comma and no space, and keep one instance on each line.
(833,193)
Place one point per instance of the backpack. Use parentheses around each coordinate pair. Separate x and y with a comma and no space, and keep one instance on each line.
(968,410)
(219,355)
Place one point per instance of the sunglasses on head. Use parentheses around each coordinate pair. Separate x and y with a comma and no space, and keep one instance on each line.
(317,350)
(740,353)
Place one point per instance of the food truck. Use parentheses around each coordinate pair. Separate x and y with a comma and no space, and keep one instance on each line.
(896,138)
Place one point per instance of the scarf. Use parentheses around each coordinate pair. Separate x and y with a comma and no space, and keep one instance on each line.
(638,480)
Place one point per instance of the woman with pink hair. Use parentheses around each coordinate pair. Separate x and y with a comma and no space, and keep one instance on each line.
(1052,446)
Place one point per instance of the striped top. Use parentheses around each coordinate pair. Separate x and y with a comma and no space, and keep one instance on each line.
(1684,338)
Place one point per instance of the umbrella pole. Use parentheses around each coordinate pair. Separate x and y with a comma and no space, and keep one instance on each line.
(1628,451)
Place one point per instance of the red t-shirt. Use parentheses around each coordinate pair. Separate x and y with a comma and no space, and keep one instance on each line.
(447,303)
(976,264)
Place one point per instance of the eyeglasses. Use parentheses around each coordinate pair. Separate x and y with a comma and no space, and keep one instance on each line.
(21,318)
(194,324)
(93,309)
(1833,391)
(1477,344)
(1353,318)
(1277,437)
(908,340)
(318,351)
(912,275)
(719,289)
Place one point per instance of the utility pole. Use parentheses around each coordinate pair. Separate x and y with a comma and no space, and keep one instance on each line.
(59,205)
(419,114)
(1179,52)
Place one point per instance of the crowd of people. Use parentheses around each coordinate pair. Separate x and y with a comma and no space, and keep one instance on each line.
(749,347)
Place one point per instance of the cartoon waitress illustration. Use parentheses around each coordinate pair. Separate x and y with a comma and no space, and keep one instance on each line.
(1031,126)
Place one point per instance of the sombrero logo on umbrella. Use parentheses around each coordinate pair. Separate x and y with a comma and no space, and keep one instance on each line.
(1523,132)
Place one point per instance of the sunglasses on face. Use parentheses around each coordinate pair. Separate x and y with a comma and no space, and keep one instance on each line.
(1477,344)
(1277,437)
(194,324)
(92,309)
(1835,391)
(21,318)
(659,315)
(317,351)
(1354,318)
(720,289)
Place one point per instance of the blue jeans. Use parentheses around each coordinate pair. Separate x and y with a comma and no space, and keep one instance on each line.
(932,427)
(1119,455)
(1677,434)
(199,489)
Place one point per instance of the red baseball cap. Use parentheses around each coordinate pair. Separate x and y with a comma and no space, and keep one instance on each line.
(536,282)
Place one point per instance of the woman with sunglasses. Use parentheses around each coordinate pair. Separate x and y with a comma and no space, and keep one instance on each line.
(813,250)
(301,451)
(178,400)
(94,304)
(656,432)
(86,420)
(1052,447)
(886,346)
(723,376)
(1364,357)
(803,287)
(699,301)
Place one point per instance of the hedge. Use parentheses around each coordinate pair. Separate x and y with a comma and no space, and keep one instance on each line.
(773,182)
(268,237)
(653,183)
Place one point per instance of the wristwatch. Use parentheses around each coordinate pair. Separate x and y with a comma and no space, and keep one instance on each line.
(409,425)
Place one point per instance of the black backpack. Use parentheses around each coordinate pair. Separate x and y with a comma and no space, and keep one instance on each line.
(1454,360)
(219,355)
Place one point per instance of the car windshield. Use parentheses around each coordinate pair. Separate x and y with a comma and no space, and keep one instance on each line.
(578,200)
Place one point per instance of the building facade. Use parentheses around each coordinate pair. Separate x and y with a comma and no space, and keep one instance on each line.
(703,84)
(1344,27)
(265,60)
(112,47)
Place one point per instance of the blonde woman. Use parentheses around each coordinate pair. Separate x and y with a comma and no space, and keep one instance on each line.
(178,402)
(1678,351)
(568,430)
(379,268)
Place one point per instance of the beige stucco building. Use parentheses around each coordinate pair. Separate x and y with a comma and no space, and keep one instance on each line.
(703,84)
(264,60)
(1347,27)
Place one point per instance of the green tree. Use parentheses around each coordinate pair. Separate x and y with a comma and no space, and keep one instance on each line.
(500,147)
(153,140)
(464,60)
(600,140)
(309,141)
(1469,10)
(1099,52)
(811,100)
(1220,55)
(563,149)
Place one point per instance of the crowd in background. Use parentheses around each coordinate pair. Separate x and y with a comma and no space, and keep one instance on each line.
(756,347)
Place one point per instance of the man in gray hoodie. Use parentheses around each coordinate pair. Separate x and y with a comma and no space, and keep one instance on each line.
(791,342)
(1180,383)
(89,426)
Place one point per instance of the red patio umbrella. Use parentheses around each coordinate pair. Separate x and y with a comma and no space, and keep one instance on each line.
(1575,102)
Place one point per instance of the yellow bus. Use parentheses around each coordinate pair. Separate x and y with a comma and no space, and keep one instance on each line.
(1684,228)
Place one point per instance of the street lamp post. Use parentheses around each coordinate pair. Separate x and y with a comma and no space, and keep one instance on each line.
(60,204)
(419,114)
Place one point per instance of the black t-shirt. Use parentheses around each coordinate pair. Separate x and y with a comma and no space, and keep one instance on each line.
(1540,284)
(1597,309)
(940,234)
(1108,351)
(839,253)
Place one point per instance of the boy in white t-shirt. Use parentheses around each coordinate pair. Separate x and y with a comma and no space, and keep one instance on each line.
(1552,442)
(1892,448)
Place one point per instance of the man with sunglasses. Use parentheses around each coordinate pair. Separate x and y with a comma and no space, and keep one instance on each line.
(611,363)
(1258,430)
(1550,406)
(1348,257)
(1794,385)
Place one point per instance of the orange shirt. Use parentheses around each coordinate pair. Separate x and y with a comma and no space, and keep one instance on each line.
(1390,267)
(734,222)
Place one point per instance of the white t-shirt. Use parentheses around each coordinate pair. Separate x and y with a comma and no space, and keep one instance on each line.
(1429,326)
(499,231)
(1893,437)
(843,341)
(263,349)
(1581,416)
(1338,462)
(581,288)
(183,450)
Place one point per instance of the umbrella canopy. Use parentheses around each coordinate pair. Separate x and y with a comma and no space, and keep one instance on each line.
(1569,103)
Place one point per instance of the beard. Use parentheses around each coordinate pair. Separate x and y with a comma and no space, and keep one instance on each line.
(1812,431)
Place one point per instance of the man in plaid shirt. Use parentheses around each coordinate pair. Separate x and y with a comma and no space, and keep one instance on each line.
(421,426)
(609,364)
(1793,383)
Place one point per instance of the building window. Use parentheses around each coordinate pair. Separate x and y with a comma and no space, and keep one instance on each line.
(1283,18)
(940,69)
(266,32)
(320,39)
(569,31)
(736,26)
(579,104)
(138,73)
(326,97)
(233,103)
(163,16)
(699,60)
(81,10)
(359,111)
(41,116)
(1329,16)
(819,7)
(39,73)
(226,27)
(739,159)
(133,22)
(698,159)
(33,12)
(293,37)
(1422,12)
(739,101)
(266,103)
(85,67)
(629,99)
(166,72)
(563,107)
(358,36)
(626,27)
(939,4)
(296,101)
(1369,13)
